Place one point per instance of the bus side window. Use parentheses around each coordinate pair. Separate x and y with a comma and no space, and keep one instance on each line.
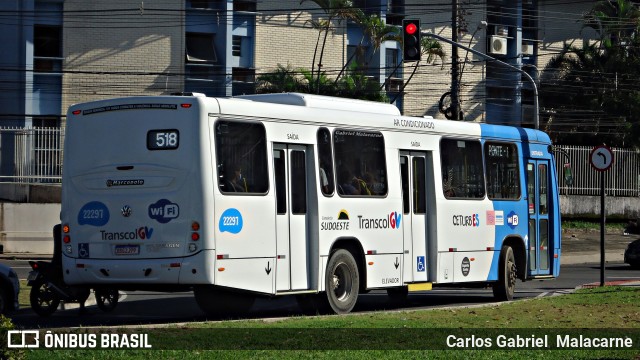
(503,179)
(462,170)
(325,161)
(241,155)
(360,162)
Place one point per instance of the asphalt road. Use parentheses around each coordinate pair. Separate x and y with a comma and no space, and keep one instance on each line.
(137,308)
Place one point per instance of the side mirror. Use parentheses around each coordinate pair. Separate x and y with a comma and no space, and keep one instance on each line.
(568,177)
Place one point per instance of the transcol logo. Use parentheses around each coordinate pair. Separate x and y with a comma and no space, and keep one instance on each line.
(391,221)
(141,233)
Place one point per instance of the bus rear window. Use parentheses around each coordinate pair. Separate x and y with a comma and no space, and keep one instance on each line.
(241,153)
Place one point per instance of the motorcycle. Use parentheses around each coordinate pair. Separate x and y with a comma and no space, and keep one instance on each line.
(48,288)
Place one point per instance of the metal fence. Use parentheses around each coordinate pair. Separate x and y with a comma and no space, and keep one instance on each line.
(34,155)
(622,179)
(31,155)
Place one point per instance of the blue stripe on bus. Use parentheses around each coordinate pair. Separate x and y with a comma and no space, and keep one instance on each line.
(531,144)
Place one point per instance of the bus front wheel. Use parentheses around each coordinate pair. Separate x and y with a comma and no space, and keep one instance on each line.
(342,282)
(504,288)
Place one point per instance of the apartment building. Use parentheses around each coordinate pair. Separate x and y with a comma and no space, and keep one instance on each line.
(59,52)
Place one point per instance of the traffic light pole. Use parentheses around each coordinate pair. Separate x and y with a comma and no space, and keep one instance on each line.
(491,58)
(455,86)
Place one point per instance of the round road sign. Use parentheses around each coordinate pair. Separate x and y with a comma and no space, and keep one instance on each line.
(601,158)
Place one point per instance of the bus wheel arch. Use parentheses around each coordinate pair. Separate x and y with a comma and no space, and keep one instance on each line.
(345,276)
(519,254)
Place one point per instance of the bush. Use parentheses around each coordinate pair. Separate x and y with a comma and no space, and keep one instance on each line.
(5,352)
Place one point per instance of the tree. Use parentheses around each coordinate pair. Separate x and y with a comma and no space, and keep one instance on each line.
(283,79)
(590,94)
(352,85)
(334,9)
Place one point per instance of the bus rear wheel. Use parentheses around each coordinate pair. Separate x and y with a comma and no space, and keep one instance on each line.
(217,302)
(342,282)
(504,288)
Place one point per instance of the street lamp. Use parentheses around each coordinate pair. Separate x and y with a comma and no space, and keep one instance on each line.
(491,58)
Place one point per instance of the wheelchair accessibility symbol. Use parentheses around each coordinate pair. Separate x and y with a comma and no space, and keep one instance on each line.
(421,266)
(83,250)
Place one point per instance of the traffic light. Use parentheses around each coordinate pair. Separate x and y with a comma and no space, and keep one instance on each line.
(411,40)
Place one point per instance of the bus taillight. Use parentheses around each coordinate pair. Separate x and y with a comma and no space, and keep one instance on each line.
(195,227)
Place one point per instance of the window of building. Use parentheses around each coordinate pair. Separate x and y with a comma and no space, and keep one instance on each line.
(241,157)
(245,5)
(503,179)
(462,172)
(325,159)
(360,162)
(47,48)
(236,45)
(356,56)
(199,4)
(395,12)
(200,48)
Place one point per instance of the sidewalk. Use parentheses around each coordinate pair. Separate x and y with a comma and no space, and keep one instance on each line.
(583,246)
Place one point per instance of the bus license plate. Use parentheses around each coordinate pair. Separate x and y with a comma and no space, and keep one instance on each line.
(127,249)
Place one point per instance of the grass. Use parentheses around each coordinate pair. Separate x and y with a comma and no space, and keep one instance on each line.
(23,297)
(568,225)
(597,312)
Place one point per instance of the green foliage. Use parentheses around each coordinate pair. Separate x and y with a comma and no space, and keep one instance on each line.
(5,352)
(592,96)
(283,79)
(352,85)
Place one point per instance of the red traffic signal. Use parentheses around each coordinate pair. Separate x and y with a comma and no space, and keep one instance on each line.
(411,40)
(411,28)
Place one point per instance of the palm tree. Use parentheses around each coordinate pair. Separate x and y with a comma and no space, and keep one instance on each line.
(376,31)
(615,21)
(283,79)
(319,25)
(335,10)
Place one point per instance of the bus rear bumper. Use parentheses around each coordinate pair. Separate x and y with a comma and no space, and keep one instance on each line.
(182,270)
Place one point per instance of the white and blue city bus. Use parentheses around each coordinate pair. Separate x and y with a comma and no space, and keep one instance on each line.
(295,194)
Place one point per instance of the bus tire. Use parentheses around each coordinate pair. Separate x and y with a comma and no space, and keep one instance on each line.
(504,288)
(342,281)
(217,302)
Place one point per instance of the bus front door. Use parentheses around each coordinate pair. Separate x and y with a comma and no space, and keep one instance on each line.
(538,207)
(291,163)
(419,210)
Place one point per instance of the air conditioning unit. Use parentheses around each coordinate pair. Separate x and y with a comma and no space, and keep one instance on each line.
(498,45)
(394,85)
(527,49)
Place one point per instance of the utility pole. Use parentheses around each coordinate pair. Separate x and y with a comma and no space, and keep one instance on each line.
(536,114)
(455,86)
